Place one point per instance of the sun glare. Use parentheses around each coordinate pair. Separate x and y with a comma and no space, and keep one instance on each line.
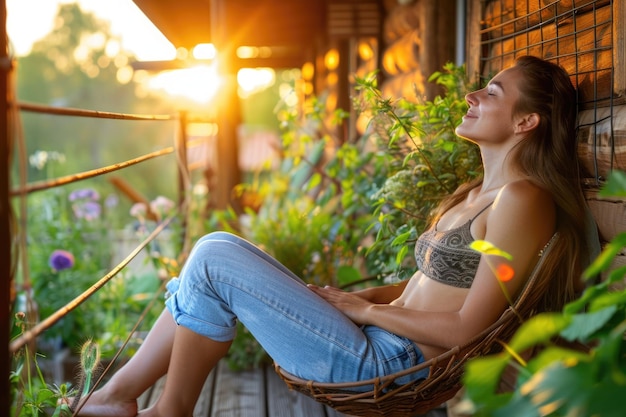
(204,51)
(253,80)
(199,83)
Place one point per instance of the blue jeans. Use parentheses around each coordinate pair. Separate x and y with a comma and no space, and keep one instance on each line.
(227,279)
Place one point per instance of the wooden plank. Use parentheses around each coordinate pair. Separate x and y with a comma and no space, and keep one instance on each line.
(473,48)
(283,402)
(238,394)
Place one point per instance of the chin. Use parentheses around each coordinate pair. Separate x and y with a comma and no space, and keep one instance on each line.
(459,131)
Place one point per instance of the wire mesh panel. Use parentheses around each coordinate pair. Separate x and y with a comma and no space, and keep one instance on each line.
(576,34)
(584,37)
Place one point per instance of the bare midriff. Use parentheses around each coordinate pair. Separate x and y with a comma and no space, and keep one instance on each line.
(423,293)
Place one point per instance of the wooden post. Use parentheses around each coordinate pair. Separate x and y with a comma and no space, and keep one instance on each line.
(438,39)
(6,279)
(473,46)
(228,112)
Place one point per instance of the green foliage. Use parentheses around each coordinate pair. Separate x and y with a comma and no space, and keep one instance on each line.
(563,380)
(58,220)
(75,227)
(427,161)
(31,395)
(380,187)
(52,225)
(342,209)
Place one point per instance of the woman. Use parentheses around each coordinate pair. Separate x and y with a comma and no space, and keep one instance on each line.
(523,122)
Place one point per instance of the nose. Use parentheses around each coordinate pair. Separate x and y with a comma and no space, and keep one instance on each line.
(472,98)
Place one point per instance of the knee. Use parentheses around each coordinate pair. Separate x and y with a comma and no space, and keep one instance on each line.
(217,244)
(215,236)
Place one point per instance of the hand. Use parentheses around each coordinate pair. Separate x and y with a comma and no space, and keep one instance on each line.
(352,305)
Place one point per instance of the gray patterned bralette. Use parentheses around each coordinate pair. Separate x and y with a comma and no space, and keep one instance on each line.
(446,256)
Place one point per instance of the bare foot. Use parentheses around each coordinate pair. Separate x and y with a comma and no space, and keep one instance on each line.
(99,404)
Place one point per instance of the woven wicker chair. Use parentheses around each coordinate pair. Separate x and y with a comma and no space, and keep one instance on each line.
(386,398)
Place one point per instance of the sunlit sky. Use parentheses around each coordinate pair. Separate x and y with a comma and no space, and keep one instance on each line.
(31,20)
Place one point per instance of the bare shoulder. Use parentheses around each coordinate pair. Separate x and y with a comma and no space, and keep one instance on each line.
(525,195)
(523,208)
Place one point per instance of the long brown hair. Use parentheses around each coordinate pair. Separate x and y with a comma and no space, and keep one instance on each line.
(548,156)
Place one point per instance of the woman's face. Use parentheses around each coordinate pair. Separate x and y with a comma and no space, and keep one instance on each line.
(490,117)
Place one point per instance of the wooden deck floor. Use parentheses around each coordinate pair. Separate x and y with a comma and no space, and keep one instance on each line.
(256,393)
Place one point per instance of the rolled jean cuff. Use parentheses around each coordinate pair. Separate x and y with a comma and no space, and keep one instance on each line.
(171,287)
(210,330)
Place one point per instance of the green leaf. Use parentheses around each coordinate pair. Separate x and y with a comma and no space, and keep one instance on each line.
(401,254)
(301,173)
(44,395)
(553,354)
(401,239)
(574,386)
(608,299)
(517,406)
(586,324)
(487,248)
(615,185)
(607,400)
(588,295)
(605,259)
(616,275)
(482,375)
(316,179)
(62,410)
(559,389)
(538,329)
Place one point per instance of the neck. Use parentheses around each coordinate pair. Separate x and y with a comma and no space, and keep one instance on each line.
(498,171)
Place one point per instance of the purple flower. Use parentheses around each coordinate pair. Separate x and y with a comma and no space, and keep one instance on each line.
(84,194)
(111,201)
(60,260)
(88,210)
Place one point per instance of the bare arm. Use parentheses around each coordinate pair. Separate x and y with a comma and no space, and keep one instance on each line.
(521,221)
(382,294)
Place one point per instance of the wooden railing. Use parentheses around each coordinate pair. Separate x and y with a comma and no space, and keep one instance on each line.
(17,197)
